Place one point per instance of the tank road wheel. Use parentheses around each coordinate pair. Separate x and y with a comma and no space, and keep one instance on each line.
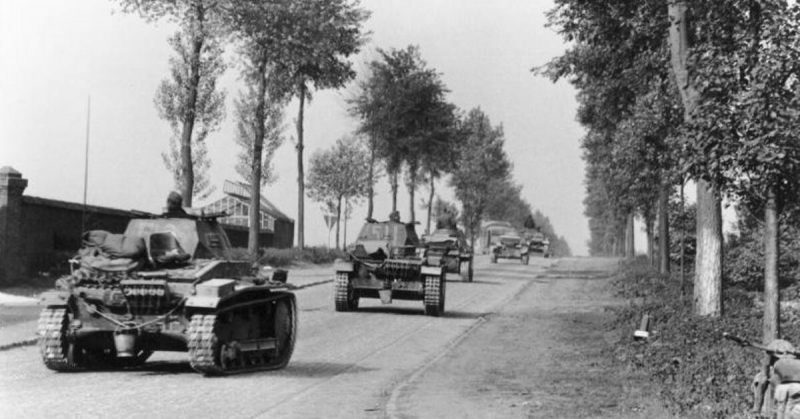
(344,296)
(525,259)
(434,295)
(58,353)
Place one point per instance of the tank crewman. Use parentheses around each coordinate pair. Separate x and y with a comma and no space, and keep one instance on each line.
(175,206)
(394,216)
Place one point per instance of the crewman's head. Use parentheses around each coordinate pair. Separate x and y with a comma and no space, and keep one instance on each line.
(174,200)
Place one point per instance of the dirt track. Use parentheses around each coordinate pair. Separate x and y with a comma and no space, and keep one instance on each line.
(515,343)
(544,355)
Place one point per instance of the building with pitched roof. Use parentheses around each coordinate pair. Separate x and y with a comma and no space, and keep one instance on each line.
(276,229)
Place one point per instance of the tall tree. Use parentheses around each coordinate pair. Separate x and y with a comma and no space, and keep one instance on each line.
(247,125)
(339,175)
(708,260)
(402,107)
(194,73)
(173,97)
(481,165)
(313,54)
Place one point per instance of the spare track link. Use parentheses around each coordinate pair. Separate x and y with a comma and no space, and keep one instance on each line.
(204,346)
(52,340)
(434,295)
(341,289)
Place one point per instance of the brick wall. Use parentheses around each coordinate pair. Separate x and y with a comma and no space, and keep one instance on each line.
(38,234)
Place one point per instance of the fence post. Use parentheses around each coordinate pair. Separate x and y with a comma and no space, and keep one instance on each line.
(12,265)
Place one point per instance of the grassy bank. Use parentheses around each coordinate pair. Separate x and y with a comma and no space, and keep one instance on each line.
(292,256)
(700,373)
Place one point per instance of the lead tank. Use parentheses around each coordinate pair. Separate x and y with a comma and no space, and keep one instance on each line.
(167,284)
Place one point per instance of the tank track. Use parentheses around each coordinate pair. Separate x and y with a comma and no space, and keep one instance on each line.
(53,345)
(434,295)
(205,347)
(341,293)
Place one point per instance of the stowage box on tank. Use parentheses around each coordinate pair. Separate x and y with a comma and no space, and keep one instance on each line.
(167,284)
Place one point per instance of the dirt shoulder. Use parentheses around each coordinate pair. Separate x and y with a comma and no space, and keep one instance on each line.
(546,354)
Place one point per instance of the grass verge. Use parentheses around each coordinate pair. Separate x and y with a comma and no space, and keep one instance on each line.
(700,374)
(286,257)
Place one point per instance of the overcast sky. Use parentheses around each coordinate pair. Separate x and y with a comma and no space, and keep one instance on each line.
(55,54)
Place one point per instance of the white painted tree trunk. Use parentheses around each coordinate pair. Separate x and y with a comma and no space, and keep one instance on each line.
(708,261)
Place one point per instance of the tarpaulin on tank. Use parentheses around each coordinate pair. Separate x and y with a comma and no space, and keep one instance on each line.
(115,245)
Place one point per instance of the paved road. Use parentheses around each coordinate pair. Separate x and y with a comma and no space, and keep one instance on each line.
(345,365)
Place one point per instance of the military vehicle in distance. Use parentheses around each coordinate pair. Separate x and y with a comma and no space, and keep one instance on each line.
(538,243)
(167,284)
(510,246)
(447,247)
(387,262)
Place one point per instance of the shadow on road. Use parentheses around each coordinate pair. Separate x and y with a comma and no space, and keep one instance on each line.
(294,369)
(479,282)
(463,315)
(322,369)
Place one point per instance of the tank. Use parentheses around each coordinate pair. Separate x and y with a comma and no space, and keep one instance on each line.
(538,244)
(447,247)
(387,262)
(167,284)
(510,245)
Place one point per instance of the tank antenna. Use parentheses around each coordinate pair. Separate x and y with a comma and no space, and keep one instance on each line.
(86,164)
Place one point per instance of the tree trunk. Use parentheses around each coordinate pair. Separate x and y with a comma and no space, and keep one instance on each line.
(393,181)
(708,261)
(771,251)
(338,219)
(683,239)
(301,192)
(371,185)
(630,249)
(412,188)
(663,228)
(344,225)
(649,227)
(430,204)
(258,147)
(187,165)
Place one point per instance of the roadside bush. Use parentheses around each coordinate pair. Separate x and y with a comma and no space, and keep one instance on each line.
(700,373)
(744,255)
(285,257)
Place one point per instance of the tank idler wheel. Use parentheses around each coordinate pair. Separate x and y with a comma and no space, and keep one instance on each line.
(434,295)
(285,320)
(345,298)
(525,259)
(58,352)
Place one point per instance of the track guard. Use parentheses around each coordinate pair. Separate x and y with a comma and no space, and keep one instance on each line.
(55,298)
(340,265)
(432,270)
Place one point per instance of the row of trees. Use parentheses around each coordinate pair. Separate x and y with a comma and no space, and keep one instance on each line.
(686,89)
(285,49)
(410,131)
